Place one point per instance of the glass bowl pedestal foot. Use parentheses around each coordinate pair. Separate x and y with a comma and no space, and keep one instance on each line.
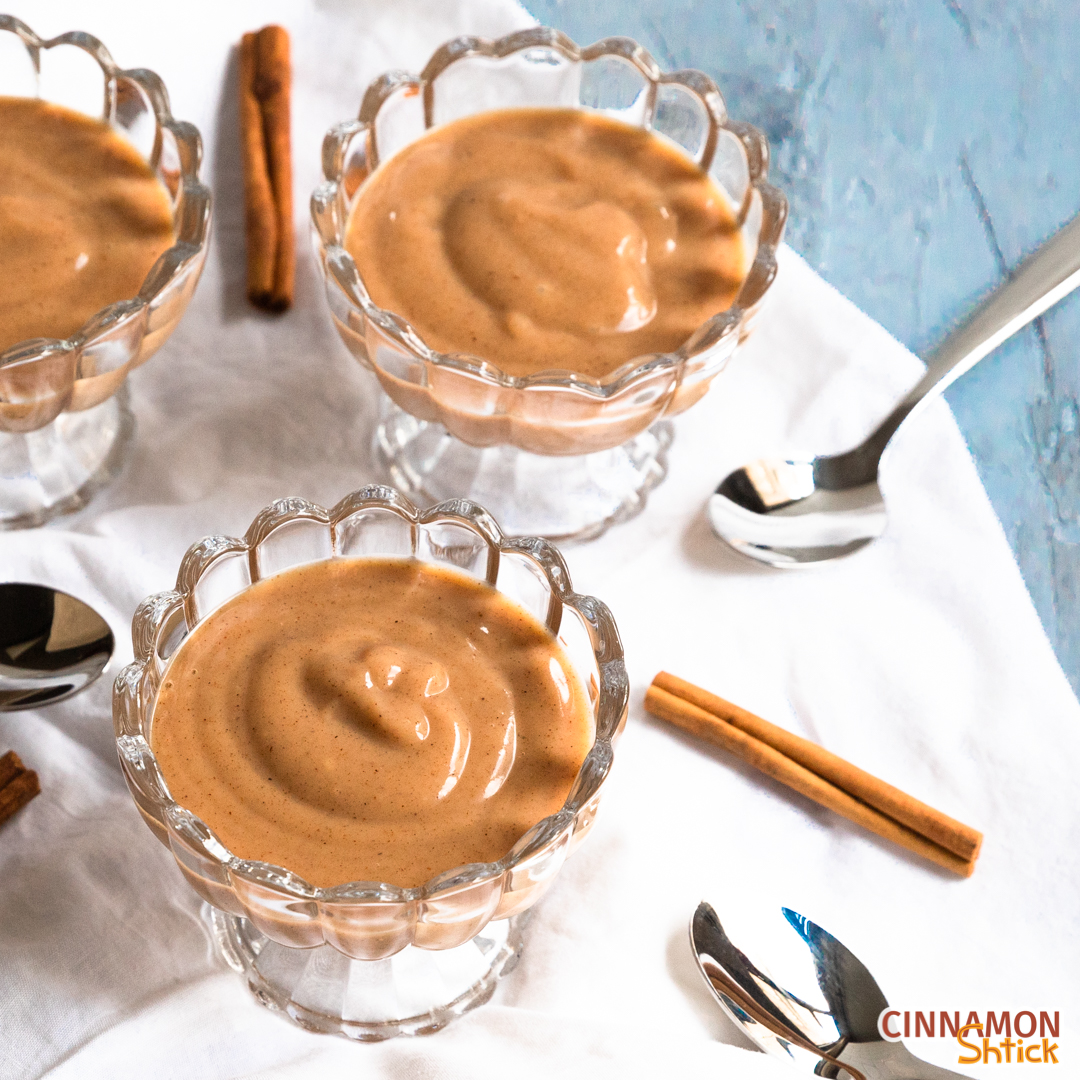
(60,467)
(414,992)
(560,498)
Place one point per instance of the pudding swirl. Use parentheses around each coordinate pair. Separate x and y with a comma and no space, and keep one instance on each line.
(82,219)
(375,719)
(547,239)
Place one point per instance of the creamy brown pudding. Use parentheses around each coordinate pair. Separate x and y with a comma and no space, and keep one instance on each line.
(371,719)
(547,239)
(82,219)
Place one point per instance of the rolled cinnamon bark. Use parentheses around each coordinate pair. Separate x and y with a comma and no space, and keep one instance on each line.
(960,839)
(10,767)
(774,762)
(18,785)
(265,83)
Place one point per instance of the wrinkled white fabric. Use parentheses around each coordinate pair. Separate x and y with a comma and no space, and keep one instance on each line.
(921,659)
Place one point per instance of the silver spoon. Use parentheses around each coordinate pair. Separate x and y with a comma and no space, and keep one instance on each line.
(51,646)
(793,512)
(842,1038)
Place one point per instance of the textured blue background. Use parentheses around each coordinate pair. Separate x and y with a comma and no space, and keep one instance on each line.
(925,146)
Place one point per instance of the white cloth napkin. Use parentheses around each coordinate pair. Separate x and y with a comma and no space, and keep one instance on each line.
(921,659)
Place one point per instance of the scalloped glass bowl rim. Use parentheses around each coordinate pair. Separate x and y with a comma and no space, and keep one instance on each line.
(181,253)
(762,270)
(594,768)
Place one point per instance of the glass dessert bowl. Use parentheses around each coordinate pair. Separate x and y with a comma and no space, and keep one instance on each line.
(558,452)
(370,960)
(65,424)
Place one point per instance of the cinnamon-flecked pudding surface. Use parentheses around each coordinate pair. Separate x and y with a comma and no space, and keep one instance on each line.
(547,239)
(82,219)
(371,720)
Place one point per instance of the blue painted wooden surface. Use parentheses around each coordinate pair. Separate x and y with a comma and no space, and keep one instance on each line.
(926,146)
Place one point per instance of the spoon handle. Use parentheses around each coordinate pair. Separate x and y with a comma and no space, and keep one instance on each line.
(1039,282)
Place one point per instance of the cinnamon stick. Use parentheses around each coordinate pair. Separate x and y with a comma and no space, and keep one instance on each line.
(265,82)
(18,785)
(945,831)
(774,762)
(10,767)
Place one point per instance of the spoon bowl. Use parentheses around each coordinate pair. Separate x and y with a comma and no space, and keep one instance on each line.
(838,1037)
(51,646)
(797,512)
(801,523)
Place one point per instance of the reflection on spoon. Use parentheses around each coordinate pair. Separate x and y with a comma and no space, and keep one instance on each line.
(51,646)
